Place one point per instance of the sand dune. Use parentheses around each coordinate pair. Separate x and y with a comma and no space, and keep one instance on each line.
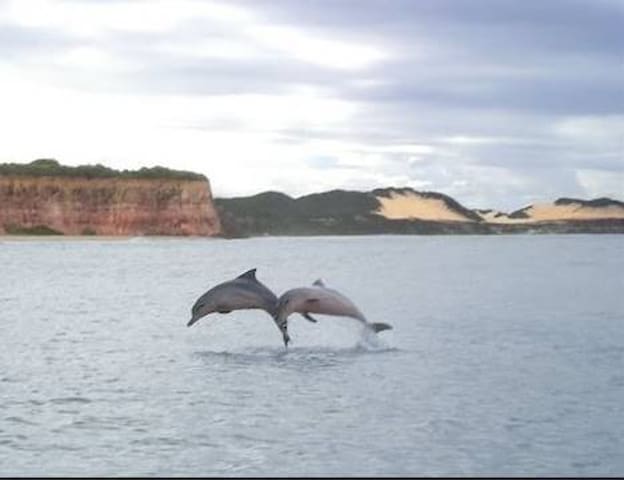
(410,205)
(545,212)
(552,212)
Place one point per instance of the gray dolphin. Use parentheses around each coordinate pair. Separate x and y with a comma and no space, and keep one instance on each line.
(242,293)
(323,300)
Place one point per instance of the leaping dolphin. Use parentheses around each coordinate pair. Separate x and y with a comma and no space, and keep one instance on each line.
(320,299)
(242,293)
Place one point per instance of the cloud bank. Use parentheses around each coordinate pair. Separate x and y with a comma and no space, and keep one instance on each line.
(494,102)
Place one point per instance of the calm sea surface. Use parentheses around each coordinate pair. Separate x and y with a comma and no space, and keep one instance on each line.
(507,357)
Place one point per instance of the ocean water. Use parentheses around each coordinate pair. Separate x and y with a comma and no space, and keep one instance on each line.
(506,358)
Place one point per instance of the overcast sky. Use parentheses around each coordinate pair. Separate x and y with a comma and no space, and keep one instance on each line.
(497,103)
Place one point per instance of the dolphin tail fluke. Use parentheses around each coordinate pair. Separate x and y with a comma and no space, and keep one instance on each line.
(380,327)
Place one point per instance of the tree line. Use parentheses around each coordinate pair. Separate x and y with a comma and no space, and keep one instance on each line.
(48,167)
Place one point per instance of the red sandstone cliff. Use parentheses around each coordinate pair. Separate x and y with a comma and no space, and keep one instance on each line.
(108,206)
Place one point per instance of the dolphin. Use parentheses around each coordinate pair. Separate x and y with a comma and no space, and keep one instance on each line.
(242,293)
(320,299)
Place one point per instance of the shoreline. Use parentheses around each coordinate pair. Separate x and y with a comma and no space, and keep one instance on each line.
(140,239)
(98,238)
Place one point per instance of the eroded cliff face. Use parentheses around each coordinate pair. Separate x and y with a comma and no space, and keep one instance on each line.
(108,206)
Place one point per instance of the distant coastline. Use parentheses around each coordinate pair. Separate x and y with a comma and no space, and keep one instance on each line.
(45,198)
(410,212)
(97,238)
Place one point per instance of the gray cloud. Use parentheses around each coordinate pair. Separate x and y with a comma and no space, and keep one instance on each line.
(17,42)
(561,57)
(577,26)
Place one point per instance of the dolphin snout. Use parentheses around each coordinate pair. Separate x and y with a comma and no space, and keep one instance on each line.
(192,321)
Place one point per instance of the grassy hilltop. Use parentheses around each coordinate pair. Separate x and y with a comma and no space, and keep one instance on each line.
(47,167)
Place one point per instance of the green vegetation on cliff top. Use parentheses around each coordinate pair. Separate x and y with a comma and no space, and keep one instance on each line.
(51,168)
(36,230)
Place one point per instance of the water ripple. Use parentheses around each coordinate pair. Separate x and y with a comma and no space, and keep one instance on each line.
(20,420)
(66,400)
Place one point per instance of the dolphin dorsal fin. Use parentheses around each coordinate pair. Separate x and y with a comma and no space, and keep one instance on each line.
(249,274)
(319,283)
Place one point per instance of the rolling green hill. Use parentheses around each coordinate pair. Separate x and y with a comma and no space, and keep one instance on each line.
(343,212)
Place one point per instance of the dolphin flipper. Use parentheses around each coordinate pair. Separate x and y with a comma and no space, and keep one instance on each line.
(309,317)
(319,283)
